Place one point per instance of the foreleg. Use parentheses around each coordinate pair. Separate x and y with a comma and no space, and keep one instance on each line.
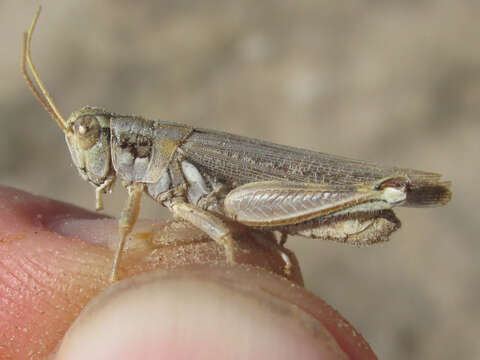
(127,220)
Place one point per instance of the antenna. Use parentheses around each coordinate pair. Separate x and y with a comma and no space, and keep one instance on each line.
(46,100)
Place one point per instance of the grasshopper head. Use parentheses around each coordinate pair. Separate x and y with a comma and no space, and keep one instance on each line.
(88,138)
(87,130)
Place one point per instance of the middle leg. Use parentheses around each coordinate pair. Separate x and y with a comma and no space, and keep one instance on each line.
(208,222)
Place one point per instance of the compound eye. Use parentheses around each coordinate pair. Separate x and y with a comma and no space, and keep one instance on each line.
(87,131)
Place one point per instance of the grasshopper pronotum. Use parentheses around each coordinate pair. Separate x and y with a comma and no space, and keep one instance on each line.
(202,175)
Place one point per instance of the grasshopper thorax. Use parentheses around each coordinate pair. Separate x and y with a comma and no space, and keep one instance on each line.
(88,139)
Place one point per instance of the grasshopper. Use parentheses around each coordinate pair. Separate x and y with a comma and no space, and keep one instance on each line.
(204,176)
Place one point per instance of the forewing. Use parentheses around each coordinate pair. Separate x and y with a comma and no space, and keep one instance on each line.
(239,160)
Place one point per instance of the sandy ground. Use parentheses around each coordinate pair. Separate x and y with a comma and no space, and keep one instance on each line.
(393,82)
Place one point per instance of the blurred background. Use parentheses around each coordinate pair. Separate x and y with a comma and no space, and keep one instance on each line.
(396,82)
